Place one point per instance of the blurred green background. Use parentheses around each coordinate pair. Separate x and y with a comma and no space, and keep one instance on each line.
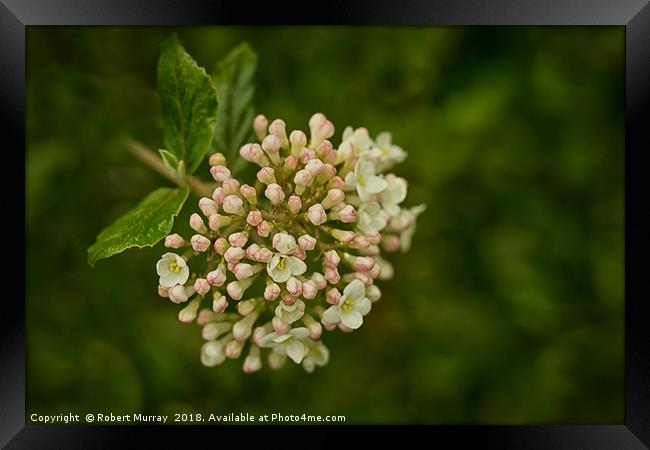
(509,306)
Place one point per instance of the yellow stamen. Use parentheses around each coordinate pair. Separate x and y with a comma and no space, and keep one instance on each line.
(281,264)
(361,180)
(174,267)
(347,305)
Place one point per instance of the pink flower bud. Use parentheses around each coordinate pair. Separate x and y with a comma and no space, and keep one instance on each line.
(315,328)
(344,152)
(321,129)
(306,155)
(178,293)
(278,129)
(216,278)
(373,293)
(306,242)
(252,364)
(174,241)
(363,263)
(266,175)
(254,218)
(218,195)
(220,173)
(291,162)
(274,193)
(219,304)
(279,326)
(217,159)
(344,329)
(249,193)
(328,172)
(216,221)
(163,291)
(347,214)
(390,243)
(363,277)
(260,124)
(329,326)
(375,271)
(200,243)
(263,255)
(332,275)
(197,224)
(309,289)
(314,167)
(344,236)
(204,317)
(233,205)
(271,146)
(326,152)
(300,253)
(188,314)
(234,254)
(319,279)
(253,153)
(298,140)
(243,271)
(316,120)
(233,349)
(271,292)
(221,245)
(201,286)
(284,243)
(337,182)
(294,286)
(294,204)
(332,297)
(231,266)
(259,333)
(230,186)
(208,206)
(332,258)
(251,250)
(316,214)
(238,239)
(303,177)
(334,197)
(374,238)
(235,290)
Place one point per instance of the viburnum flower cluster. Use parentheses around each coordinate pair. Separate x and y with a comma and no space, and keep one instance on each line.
(297,252)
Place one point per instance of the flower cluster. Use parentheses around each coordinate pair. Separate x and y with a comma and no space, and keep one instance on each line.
(298,251)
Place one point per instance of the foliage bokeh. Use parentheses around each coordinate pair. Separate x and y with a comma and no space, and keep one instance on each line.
(509,306)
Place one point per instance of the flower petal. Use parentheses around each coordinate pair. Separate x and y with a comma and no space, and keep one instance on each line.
(351,180)
(355,290)
(332,314)
(384,139)
(266,340)
(168,280)
(375,184)
(352,319)
(300,332)
(296,351)
(296,266)
(363,306)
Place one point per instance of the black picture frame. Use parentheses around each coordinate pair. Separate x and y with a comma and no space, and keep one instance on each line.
(634,15)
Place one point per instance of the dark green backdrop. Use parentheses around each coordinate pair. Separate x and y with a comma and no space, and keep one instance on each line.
(508,308)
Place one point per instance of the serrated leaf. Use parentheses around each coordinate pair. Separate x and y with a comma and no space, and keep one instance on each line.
(236,90)
(146,224)
(189,104)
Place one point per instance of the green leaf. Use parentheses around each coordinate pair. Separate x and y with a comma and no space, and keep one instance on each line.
(234,80)
(189,104)
(143,226)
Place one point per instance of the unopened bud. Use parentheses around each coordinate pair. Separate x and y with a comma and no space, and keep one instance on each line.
(294,204)
(272,291)
(332,275)
(230,186)
(216,277)
(266,175)
(238,239)
(233,349)
(219,303)
(220,173)
(174,241)
(242,329)
(309,289)
(315,328)
(333,197)
(221,245)
(218,195)
(254,218)
(252,363)
(314,167)
(249,193)
(291,162)
(279,326)
(188,314)
(201,286)
(213,330)
(347,214)
(294,286)
(332,258)
(233,205)
(332,297)
(217,159)
(216,221)
(212,354)
(319,279)
(260,125)
(337,183)
(163,291)
(208,206)
(298,140)
(263,255)
(278,129)
(274,193)
(234,254)
(200,243)
(390,243)
(197,224)
(306,242)
(373,292)
(316,214)
(271,146)
(179,293)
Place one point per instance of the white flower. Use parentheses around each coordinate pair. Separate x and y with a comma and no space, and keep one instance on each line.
(290,344)
(284,243)
(407,235)
(318,355)
(289,314)
(351,308)
(385,152)
(371,218)
(361,142)
(365,180)
(281,267)
(394,194)
(172,270)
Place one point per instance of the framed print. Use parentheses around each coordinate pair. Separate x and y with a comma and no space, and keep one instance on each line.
(422,215)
